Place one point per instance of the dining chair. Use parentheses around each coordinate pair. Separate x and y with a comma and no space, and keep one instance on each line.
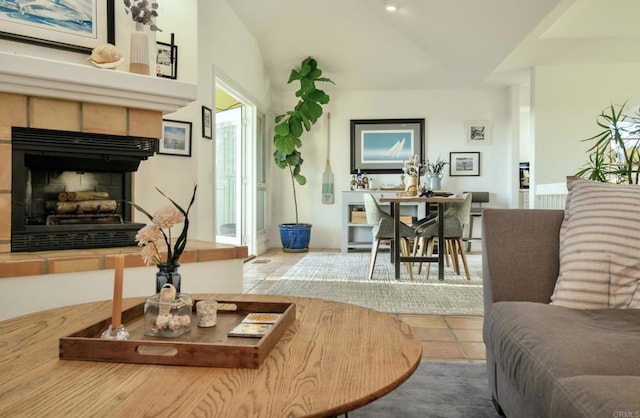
(456,217)
(477,199)
(383,231)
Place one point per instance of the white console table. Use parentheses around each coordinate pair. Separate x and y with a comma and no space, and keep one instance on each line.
(356,236)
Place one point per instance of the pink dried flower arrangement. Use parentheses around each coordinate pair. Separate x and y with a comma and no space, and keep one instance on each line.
(163,219)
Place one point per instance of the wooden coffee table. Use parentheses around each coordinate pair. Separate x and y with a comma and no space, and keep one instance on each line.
(334,358)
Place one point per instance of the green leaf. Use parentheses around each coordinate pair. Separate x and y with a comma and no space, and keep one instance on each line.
(307,85)
(305,70)
(295,75)
(328,80)
(318,96)
(315,111)
(282,129)
(315,74)
(280,117)
(295,126)
(302,180)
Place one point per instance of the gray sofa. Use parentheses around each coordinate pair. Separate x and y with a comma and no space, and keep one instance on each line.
(545,360)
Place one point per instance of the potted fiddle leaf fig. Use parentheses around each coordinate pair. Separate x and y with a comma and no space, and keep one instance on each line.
(289,128)
(615,155)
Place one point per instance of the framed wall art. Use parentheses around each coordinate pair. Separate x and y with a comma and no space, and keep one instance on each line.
(207,129)
(166,62)
(464,163)
(176,138)
(77,26)
(383,145)
(477,132)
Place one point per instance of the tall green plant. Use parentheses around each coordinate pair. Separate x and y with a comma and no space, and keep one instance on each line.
(616,151)
(291,125)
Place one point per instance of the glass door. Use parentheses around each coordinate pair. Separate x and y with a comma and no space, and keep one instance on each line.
(229,196)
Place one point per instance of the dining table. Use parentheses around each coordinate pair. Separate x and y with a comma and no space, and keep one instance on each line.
(333,358)
(395,203)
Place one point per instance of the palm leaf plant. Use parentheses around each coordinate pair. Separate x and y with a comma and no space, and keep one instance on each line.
(615,154)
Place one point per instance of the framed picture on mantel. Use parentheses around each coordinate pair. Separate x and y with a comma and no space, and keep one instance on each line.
(77,26)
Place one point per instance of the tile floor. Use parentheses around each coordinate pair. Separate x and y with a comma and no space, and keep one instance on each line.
(444,338)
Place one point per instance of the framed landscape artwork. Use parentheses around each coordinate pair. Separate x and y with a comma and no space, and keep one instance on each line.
(464,164)
(77,26)
(176,138)
(383,145)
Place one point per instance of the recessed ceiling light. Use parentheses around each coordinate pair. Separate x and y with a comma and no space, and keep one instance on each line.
(389,7)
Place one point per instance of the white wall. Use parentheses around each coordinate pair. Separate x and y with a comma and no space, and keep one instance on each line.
(26,294)
(566,101)
(445,112)
(225,46)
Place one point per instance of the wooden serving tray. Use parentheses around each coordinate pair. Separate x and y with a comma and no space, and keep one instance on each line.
(199,347)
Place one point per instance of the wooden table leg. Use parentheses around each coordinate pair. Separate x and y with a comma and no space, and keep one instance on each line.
(396,238)
(441,241)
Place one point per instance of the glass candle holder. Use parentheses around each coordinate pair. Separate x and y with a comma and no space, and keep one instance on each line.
(167,319)
(207,311)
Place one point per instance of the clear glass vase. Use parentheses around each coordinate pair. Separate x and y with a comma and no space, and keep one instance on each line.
(167,319)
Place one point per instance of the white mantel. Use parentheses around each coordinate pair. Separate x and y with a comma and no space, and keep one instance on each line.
(33,76)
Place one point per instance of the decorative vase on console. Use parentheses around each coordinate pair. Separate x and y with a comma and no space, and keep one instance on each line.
(150,238)
(435,174)
(434,180)
(143,13)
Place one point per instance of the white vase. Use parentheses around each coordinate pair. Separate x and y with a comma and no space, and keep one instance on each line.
(139,51)
(434,181)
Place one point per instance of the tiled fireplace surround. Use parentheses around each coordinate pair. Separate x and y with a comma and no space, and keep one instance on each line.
(40,107)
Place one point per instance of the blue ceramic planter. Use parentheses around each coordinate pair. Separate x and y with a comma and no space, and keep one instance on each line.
(295,237)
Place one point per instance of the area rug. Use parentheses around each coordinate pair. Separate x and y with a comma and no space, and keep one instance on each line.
(343,278)
(436,390)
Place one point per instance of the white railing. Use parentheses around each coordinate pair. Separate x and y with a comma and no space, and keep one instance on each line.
(551,196)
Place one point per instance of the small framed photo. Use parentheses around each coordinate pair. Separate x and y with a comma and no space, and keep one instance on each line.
(207,130)
(464,163)
(477,132)
(166,60)
(176,138)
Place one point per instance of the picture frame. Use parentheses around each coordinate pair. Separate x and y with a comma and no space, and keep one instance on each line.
(464,164)
(477,132)
(383,145)
(165,67)
(176,138)
(75,30)
(207,123)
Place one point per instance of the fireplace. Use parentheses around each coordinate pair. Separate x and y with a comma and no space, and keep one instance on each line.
(70,189)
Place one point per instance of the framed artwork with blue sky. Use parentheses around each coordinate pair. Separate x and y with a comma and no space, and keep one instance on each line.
(74,25)
(383,145)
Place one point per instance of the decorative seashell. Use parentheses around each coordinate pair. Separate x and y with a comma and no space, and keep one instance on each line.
(167,294)
(106,56)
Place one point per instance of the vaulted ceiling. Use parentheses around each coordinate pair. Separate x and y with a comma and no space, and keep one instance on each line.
(436,44)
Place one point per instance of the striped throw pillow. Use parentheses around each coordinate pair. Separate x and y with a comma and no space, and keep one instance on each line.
(599,247)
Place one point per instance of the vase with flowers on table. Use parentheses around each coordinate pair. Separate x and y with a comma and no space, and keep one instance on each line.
(413,169)
(168,311)
(434,174)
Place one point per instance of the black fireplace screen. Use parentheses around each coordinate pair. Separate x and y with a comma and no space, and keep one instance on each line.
(69,189)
